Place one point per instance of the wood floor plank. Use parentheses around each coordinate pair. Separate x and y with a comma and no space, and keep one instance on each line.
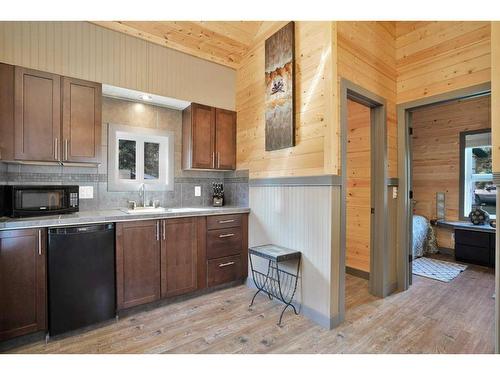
(431,317)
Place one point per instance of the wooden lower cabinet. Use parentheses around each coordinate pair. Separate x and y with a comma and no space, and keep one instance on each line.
(137,263)
(23,287)
(178,256)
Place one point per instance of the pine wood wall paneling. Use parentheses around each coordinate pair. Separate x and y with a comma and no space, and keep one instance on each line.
(437,57)
(358,199)
(87,51)
(315,153)
(436,155)
(366,56)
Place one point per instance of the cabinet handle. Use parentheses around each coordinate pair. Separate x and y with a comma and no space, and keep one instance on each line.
(39,242)
(218,159)
(213,159)
(157,230)
(66,149)
(226,235)
(164,231)
(226,264)
(226,221)
(56,149)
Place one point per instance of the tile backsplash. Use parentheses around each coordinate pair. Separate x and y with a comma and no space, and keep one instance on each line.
(139,115)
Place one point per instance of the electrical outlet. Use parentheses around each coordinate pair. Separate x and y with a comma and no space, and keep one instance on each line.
(197,191)
(86,192)
(394,192)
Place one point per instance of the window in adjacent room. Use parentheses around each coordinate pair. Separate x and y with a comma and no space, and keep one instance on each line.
(139,155)
(476,178)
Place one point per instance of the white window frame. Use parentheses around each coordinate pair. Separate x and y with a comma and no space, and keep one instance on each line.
(164,138)
(470,179)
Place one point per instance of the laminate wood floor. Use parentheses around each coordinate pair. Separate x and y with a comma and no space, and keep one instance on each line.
(431,317)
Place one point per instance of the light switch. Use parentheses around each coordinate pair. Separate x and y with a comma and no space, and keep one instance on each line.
(197,191)
(394,192)
(86,192)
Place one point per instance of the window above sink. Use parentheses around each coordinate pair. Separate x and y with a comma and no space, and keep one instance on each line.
(140,156)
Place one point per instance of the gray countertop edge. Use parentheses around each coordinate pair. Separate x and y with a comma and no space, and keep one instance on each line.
(465,225)
(107,216)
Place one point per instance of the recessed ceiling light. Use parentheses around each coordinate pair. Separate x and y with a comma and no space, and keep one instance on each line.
(146,97)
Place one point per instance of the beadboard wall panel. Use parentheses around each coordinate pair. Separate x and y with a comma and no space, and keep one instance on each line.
(367,57)
(302,218)
(317,143)
(438,57)
(87,51)
(436,155)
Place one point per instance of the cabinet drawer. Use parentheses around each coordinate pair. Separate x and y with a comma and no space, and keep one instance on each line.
(223,221)
(223,242)
(472,238)
(223,270)
(472,254)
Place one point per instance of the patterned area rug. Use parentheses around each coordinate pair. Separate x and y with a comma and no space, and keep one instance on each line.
(437,269)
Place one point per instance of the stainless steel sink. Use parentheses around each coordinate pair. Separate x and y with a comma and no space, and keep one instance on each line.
(144,210)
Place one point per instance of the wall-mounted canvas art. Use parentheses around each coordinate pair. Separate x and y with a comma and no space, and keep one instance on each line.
(280,89)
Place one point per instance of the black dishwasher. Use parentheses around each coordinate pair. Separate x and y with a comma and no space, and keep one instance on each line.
(81,276)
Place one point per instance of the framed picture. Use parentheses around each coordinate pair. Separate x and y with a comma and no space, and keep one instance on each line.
(280,89)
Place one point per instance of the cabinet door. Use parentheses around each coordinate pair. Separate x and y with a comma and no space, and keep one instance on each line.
(225,139)
(203,137)
(137,263)
(22,282)
(81,119)
(37,118)
(178,256)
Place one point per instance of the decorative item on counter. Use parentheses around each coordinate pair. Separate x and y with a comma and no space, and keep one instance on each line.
(493,223)
(478,216)
(218,194)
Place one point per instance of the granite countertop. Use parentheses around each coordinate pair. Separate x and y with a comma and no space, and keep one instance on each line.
(467,225)
(116,215)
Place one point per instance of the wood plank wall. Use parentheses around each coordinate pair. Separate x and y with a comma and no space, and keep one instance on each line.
(87,51)
(358,197)
(436,155)
(316,150)
(366,56)
(438,57)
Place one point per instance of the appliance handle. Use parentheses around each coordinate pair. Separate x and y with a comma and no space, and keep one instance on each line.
(39,242)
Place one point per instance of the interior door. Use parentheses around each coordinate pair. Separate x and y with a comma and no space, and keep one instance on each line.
(203,136)
(81,117)
(225,139)
(37,115)
(410,200)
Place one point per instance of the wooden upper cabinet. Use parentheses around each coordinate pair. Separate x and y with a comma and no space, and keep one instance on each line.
(225,139)
(208,138)
(37,111)
(137,263)
(178,256)
(23,301)
(81,120)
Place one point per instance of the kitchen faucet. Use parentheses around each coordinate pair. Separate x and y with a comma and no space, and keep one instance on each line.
(142,194)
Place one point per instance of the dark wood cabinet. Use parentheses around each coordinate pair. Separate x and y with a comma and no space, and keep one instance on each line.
(226,248)
(178,256)
(225,139)
(81,120)
(208,138)
(475,247)
(137,263)
(198,137)
(37,115)
(23,288)
(48,118)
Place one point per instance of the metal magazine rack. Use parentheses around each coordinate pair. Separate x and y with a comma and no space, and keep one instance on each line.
(276,282)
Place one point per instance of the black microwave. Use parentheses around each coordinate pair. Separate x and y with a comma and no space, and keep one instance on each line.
(36,200)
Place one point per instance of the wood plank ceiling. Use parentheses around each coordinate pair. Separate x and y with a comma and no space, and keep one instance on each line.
(223,42)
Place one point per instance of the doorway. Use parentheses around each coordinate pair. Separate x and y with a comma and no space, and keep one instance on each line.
(364,191)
